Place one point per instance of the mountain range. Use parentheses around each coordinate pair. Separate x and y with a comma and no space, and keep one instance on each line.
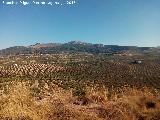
(70,47)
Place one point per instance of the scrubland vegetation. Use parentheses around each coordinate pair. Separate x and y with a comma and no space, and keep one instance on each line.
(79,87)
(22,102)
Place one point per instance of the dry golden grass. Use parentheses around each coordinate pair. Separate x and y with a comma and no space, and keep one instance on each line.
(55,103)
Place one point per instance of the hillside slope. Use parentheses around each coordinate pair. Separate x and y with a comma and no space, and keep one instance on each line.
(73,46)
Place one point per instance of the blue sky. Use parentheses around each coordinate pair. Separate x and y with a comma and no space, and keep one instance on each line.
(118,22)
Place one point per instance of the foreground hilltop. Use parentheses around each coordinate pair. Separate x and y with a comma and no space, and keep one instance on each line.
(71,47)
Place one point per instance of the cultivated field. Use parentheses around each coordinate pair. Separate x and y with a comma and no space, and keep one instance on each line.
(80,86)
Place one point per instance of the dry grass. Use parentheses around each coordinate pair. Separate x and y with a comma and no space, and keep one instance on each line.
(55,103)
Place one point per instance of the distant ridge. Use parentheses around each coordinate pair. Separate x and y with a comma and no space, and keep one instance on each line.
(39,45)
(78,42)
(72,46)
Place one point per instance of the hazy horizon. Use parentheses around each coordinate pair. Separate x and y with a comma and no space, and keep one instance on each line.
(109,22)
